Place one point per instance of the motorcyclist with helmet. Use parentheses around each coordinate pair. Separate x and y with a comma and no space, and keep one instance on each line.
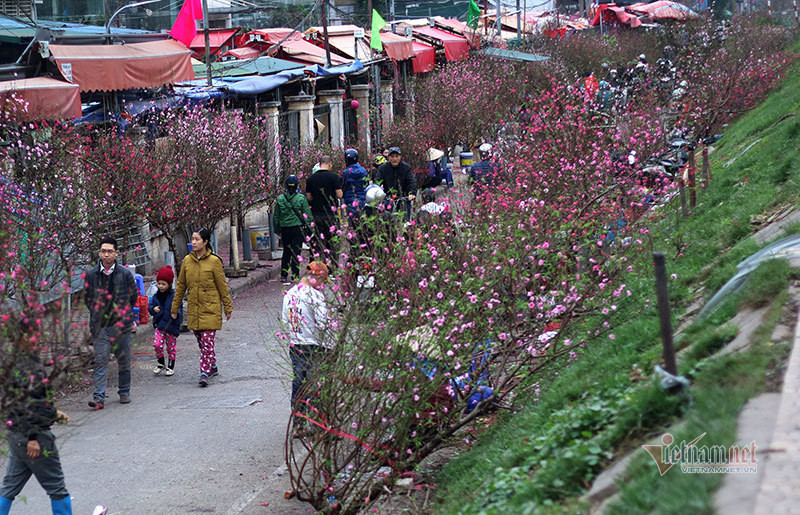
(354,183)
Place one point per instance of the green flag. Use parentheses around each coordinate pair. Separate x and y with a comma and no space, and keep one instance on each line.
(375,33)
(473,14)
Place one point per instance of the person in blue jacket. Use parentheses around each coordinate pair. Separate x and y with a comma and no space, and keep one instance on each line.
(167,329)
(354,183)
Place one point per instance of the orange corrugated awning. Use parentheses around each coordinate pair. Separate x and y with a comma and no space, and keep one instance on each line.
(397,47)
(243,53)
(120,67)
(47,99)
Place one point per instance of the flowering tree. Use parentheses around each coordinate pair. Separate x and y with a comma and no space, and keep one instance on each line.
(461,311)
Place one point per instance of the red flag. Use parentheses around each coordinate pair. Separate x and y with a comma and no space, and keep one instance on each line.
(184,29)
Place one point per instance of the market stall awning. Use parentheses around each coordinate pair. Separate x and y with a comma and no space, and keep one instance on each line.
(120,67)
(294,48)
(608,13)
(472,37)
(664,10)
(398,48)
(424,57)
(456,48)
(258,85)
(47,99)
(217,38)
(243,53)
(342,40)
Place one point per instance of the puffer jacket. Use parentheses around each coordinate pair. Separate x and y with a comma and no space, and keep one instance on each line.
(354,185)
(162,320)
(207,292)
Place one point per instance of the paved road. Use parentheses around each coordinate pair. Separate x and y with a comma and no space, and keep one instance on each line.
(179,448)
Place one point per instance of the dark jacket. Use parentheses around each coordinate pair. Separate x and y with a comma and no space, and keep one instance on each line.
(105,311)
(397,181)
(354,185)
(286,209)
(163,320)
(35,411)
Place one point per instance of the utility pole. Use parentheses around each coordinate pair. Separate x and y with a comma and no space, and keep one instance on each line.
(499,24)
(519,28)
(208,44)
(391,10)
(324,8)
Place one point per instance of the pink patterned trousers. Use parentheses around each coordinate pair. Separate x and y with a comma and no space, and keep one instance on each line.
(208,359)
(164,339)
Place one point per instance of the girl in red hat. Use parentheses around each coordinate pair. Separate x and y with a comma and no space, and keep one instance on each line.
(167,329)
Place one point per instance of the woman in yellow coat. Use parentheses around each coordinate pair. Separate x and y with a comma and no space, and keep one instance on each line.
(201,273)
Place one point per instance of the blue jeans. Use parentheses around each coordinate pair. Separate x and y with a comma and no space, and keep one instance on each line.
(106,341)
(304,359)
(46,468)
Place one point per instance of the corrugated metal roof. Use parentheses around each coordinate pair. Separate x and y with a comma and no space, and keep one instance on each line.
(513,55)
(13,31)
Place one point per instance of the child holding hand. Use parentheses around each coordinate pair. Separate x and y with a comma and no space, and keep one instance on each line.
(167,329)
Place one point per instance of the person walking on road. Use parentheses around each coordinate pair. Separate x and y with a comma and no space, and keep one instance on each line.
(397,179)
(167,329)
(110,295)
(202,275)
(306,320)
(31,445)
(292,215)
(323,191)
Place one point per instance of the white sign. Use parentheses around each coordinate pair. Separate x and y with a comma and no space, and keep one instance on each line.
(66,70)
(359,33)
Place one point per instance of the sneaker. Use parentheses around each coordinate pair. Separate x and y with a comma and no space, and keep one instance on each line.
(170,367)
(214,372)
(284,279)
(124,398)
(97,404)
(203,380)
(159,368)
(170,371)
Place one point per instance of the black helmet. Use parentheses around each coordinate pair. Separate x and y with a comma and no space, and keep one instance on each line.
(292,181)
(428,195)
(350,156)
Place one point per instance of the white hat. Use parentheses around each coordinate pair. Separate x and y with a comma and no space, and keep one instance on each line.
(486,147)
(434,154)
(642,56)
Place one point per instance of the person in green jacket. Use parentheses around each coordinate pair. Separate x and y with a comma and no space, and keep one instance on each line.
(291,220)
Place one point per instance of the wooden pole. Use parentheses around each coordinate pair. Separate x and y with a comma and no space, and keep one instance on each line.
(692,181)
(664,315)
(324,7)
(706,168)
(208,45)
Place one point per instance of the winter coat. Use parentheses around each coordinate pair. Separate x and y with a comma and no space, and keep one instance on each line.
(124,295)
(399,181)
(354,185)
(286,209)
(207,292)
(163,320)
(35,413)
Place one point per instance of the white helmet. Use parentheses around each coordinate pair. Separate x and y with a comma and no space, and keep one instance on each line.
(374,195)
(485,148)
(684,84)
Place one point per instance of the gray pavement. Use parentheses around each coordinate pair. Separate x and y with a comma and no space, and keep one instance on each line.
(178,448)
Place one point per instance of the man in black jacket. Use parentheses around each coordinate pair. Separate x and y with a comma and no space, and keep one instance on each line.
(31,444)
(111,294)
(397,178)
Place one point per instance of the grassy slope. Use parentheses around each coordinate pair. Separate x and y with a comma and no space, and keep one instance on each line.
(765,177)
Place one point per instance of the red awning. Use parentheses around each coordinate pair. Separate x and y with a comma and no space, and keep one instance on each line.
(398,48)
(610,13)
(216,38)
(424,57)
(472,37)
(243,53)
(120,67)
(456,48)
(47,99)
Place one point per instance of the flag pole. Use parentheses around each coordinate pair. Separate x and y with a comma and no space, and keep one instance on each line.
(208,44)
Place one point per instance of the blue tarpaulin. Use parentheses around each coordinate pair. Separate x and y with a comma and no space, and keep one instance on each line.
(258,85)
